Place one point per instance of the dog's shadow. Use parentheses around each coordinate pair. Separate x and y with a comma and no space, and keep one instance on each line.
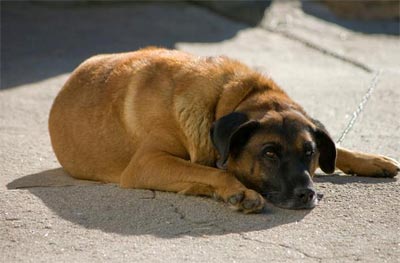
(143,212)
(338,178)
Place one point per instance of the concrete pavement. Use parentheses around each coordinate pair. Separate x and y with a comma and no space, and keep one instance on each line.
(45,216)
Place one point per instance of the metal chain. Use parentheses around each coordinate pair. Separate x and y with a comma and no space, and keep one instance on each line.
(360,107)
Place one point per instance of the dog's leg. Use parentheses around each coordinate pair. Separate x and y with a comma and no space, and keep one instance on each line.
(159,170)
(363,164)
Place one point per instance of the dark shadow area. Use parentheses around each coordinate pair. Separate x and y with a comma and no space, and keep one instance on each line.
(39,41)
(53,177)
(388,27)
(46,39)
(349,179)
(142,212)
(250,12)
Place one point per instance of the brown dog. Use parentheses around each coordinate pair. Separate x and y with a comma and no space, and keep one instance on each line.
(166,120)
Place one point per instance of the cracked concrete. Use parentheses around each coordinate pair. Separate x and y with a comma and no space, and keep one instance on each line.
(327,65)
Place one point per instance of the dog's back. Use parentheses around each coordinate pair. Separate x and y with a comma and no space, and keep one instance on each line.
(112,103)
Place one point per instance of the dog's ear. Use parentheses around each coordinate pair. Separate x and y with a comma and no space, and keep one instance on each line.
(230,133)
(326,147)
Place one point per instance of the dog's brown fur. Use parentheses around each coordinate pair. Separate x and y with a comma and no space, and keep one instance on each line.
(142,119)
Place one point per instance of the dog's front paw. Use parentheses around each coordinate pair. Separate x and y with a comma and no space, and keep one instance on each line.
(247,201)
(373,166)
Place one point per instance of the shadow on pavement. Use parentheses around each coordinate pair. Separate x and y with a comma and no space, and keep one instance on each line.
(348,179)
(252,12)
(41,41)
(388,27)
(143,212)
(53,177)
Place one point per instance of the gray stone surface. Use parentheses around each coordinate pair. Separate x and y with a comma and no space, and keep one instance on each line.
(377,125)
(45,216)
(360,42)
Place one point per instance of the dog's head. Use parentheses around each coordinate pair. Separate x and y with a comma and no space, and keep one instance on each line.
(276,155)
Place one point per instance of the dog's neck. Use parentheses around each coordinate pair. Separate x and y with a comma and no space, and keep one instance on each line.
(238,93)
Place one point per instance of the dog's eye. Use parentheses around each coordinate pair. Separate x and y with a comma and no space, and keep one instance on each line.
(271,151)
(309,152)
(270,154)
(309,149)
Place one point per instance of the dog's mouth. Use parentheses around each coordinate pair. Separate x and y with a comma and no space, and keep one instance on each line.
(282,200)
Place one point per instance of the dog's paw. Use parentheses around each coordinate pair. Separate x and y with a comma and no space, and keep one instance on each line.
(374,166)
(247,201)
(382,166)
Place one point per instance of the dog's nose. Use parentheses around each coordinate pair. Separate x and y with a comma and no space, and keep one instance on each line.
(305,195)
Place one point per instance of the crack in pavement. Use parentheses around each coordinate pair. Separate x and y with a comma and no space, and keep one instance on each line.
(243,236)
(196,225)
(299,39)
(182,215)
(320,259)
(320,49)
